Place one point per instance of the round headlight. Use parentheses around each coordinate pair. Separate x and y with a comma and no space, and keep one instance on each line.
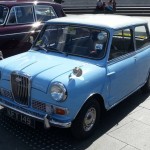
(58,91)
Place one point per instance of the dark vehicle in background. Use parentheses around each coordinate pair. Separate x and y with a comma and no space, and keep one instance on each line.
(21,21)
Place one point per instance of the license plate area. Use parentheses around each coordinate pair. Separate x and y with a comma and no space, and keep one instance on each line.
(20,117)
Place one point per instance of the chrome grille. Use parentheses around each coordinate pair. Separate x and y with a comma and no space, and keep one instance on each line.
(38,105)
(20,88)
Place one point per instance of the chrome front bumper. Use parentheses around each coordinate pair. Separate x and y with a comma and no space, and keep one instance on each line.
(48,121)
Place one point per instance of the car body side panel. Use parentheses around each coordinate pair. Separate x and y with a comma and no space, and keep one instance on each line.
(92,81)
(122,74)
(143,64)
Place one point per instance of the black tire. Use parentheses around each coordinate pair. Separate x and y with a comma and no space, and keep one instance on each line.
(146,87)
(90,113)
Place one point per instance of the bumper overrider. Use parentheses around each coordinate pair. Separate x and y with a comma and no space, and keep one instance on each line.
(47,119)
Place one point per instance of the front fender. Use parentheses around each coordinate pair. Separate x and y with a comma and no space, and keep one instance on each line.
(80,88)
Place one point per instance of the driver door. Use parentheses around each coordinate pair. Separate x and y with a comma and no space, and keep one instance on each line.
(121,70)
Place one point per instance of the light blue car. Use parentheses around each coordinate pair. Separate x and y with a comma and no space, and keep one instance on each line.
(77,67)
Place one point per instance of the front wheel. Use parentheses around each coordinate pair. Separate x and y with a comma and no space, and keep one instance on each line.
(87,119)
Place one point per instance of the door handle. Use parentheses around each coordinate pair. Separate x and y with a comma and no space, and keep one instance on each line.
(135,58)
(111,73)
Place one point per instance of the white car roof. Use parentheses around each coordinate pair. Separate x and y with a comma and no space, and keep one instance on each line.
(102,20)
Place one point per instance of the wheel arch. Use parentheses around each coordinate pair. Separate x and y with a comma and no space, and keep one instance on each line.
(100,100)
(78,122)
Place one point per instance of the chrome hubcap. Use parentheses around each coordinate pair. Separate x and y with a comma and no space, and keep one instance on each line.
(89,119)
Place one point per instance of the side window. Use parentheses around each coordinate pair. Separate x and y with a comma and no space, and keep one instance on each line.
(141,37)
(44,13)
(122,43)
(3,14)
(12,17)
(21,14)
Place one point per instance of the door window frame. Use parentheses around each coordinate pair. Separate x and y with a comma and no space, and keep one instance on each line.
(44,5)
(128,54)
(13,9)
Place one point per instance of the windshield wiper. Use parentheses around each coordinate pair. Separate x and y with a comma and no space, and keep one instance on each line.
(40,48)
(57,50)
(53,48)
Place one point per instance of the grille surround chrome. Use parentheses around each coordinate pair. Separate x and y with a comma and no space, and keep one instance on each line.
(20,86)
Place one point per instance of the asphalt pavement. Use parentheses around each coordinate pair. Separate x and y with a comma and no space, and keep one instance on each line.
(125,127)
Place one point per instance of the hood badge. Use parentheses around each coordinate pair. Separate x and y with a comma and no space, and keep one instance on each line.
(76,72)
(18,79)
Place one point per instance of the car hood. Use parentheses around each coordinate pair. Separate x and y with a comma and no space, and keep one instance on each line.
(41,67)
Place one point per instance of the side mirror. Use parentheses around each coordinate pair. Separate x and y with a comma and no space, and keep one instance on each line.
(1,55)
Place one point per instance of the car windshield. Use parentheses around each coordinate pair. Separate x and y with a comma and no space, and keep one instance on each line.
(73,40)
(3,14)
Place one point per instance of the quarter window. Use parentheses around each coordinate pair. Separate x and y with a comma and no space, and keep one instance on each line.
(141,37)
(122,43)
(12,17)
(44,13)
(3,14)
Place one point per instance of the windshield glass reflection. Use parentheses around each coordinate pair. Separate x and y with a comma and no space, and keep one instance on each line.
(74,40)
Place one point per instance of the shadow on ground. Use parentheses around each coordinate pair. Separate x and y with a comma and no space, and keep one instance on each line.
(17,136)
